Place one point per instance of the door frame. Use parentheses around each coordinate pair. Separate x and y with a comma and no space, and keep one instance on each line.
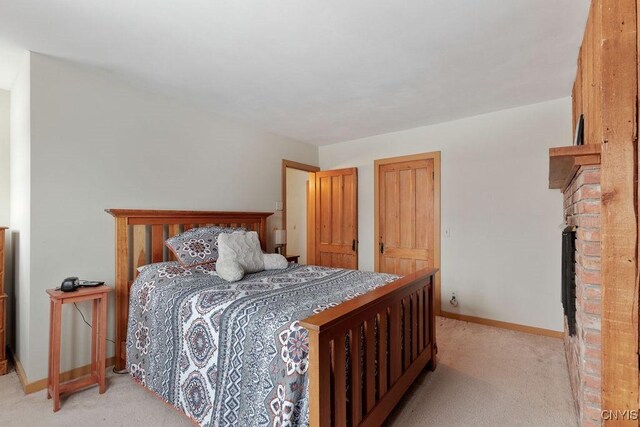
(435,156)
(303,167)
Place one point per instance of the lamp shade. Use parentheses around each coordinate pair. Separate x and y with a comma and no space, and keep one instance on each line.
(280,237)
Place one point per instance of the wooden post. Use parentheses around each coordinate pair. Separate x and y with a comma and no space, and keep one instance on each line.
(122,291)
(619,171)
(319,381)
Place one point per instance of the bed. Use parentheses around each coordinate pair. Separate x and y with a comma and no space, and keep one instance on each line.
(306,345)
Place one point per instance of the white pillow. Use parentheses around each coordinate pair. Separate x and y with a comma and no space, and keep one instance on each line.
(241,247)
(275,262)
(229,270)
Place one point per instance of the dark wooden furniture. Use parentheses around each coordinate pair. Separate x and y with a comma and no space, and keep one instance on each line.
(3,308)
(397,320)
(293,258)
(98,341)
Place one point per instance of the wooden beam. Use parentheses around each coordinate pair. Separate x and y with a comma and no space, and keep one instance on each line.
(619,227)
(565,161)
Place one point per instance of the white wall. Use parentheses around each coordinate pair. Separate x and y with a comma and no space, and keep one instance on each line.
(5,101)
(297,213)
(97,143)
(503,256)
(5,213)
(20,207)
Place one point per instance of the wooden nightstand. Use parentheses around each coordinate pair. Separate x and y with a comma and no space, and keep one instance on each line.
(98,341)
(293,258)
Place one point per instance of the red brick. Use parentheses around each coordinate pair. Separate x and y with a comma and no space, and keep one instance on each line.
(592,336)
(592,366)
(587,207)
(589,221)
(589,234)
(593,414)
(591,307)
(592,397)
(592,353)
(591,176)
(588,192)
(591,423)
(592,292)
(591,321)
(591,277)
(589,262)
(591,382)
(588,248)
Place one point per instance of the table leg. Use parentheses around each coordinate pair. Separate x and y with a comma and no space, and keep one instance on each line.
(94,339)
(55,350)
(102,320)
(49,369)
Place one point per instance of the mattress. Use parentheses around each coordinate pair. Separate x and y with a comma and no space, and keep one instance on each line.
(230,354)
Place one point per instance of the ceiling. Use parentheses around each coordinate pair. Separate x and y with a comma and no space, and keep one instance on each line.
(321,71)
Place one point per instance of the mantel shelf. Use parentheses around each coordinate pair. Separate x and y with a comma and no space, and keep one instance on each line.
(564,162)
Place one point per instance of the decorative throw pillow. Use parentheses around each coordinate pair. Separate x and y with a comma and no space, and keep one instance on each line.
(198,245)
(229,270)
(243,247)
(275,262)
(240,253)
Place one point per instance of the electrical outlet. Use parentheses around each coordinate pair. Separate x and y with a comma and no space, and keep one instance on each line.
(278,206)
(447,232)
(453,300)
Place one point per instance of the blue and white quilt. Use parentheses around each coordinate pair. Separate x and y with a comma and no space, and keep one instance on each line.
(232,354)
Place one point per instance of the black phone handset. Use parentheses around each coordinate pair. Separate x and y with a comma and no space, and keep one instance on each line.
(70,284)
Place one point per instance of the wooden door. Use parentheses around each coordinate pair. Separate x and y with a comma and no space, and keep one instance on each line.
(406,216)
(336,214)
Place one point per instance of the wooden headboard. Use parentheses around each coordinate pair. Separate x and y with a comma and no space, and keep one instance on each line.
(140,236)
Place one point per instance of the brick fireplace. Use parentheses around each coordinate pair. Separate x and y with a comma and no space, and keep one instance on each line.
(583,349)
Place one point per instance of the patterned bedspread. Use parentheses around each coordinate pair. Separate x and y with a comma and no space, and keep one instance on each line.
(232,354)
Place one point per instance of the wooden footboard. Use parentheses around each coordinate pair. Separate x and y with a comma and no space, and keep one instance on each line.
(390,334)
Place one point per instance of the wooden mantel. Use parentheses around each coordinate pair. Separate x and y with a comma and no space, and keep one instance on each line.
(564,162)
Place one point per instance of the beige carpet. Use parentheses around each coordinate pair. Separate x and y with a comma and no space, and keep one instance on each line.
(485,377)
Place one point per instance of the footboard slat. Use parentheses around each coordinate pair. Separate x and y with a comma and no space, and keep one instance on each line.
(320,376)
(383,353)
(370,361)
(397,321)
(395,346)
(414,326)
(427,317)
(406,337)
(420,320)
(340,381)
(356,376)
